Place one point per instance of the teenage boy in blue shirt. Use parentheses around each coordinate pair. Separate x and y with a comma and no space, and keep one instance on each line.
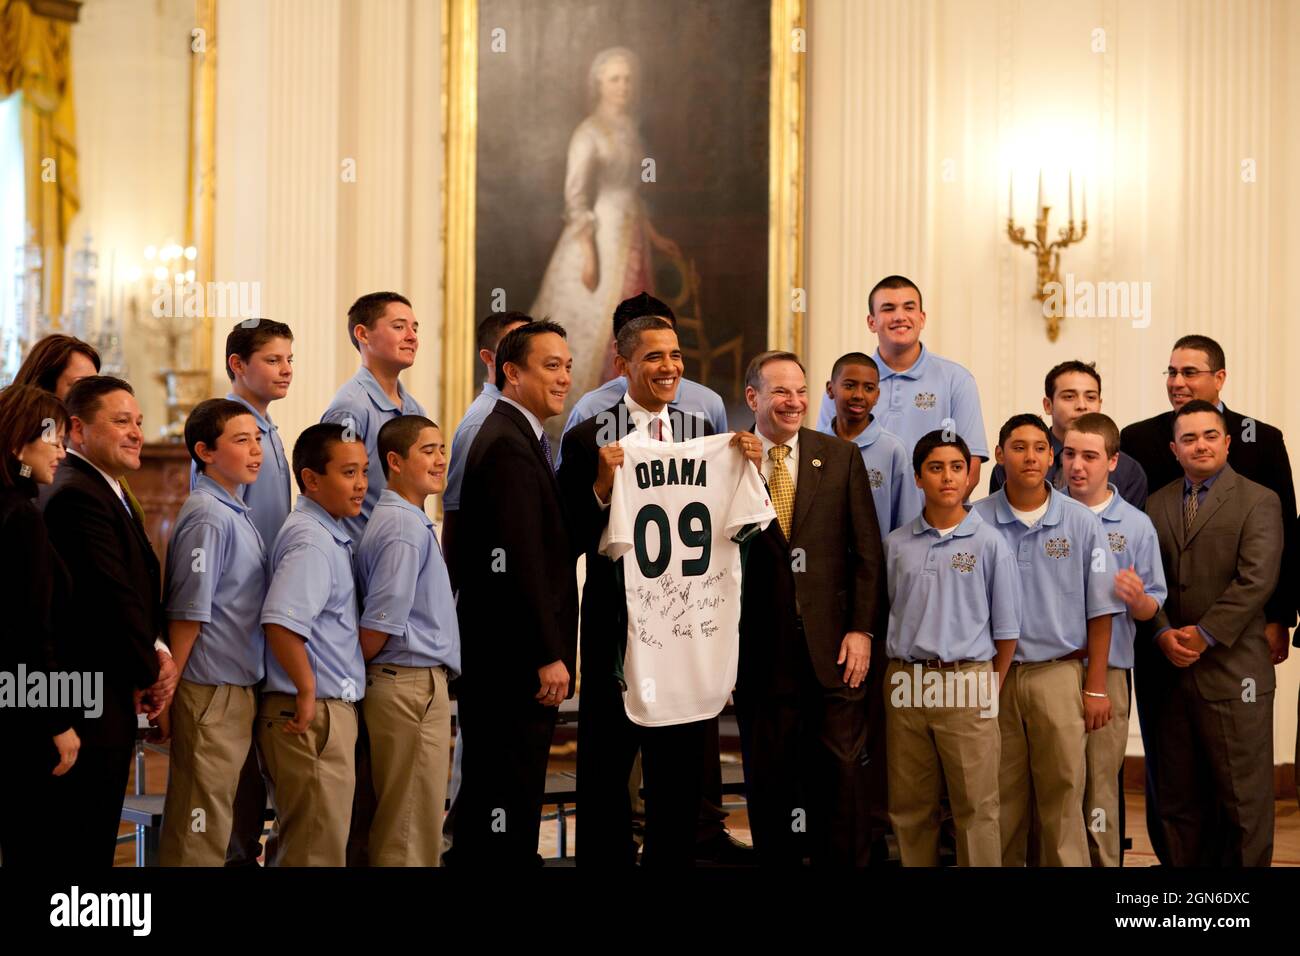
(315,673)
(216,580)
(411,640)
(1049,704)
(954,618)
(1089,458)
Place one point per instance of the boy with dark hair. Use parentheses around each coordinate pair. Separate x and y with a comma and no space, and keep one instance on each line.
(954,618)
(1048,704)
(411,640)
(383,329)
(855,389)
(1071,389)
(215,584)
(920,391)
(1089,456)
(307,719)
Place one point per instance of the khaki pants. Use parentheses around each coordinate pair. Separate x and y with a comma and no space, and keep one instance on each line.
(408,717)
(1105,756)
(1041,720)
(929,747)
(313,776)
(212,730)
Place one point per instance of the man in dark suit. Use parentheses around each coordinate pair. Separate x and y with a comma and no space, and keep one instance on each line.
(813,598)
(650,358)
(113,620)
(518,603)
(1197,370)
(1221,543)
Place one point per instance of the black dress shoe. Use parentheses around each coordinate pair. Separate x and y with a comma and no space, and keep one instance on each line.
(725,850)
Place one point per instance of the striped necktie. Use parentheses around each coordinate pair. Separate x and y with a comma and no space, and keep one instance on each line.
(1190,506)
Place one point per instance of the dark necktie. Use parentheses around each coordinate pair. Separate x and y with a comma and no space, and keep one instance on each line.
(546,450)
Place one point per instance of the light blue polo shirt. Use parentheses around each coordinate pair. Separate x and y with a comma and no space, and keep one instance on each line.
(1133,544)
(916,401)
(312,593)
(405,587)
(478,411)
(950,597)
(692,398)
(889,468)
(363,403)
(270,496)
(1060,591)
(217,575)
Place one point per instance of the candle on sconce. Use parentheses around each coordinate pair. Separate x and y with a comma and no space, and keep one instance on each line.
(1072,195)
(1040,194)
(1011,201)
(1085,201)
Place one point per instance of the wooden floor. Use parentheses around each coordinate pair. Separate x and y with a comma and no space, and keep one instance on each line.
(1286,845)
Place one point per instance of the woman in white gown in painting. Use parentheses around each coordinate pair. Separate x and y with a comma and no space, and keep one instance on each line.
(603,254)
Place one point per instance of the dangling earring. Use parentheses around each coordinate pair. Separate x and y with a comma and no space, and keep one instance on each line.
(25,470)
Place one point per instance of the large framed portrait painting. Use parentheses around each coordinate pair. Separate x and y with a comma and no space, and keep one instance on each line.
(601,148)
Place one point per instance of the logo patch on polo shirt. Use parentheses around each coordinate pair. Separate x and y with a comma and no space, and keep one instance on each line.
(876,477)
(964,562)
(1057,548)
(1118,543)
(925,400)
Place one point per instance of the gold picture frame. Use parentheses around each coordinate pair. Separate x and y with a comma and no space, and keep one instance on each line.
(786,327)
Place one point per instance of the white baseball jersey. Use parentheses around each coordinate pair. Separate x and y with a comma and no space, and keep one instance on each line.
(674,516)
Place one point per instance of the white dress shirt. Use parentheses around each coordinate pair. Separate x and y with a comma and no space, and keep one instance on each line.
(791,460)
(642,417)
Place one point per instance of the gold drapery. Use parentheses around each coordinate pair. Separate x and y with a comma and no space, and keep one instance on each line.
(36,61)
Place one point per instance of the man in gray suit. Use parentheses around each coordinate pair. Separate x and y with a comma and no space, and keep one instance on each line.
(1221,544)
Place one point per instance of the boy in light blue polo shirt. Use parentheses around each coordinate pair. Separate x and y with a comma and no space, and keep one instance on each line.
(1089,457)
(259,364)
(383,329)
(919,391)
(315,673)
(1048,705)
(411,638)
(216,580)
(954,618)
(855,389)
(695,400)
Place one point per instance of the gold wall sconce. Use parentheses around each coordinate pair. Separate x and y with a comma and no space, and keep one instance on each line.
(1048,254)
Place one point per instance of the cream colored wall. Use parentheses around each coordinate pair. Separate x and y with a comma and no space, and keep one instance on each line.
(305,86)
(920,108)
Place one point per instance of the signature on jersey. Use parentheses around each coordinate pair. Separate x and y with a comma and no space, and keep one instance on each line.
(713,579)
(708,628)
(684,630)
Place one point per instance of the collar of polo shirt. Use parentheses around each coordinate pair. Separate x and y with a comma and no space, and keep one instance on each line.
(213,488)
(307,506)
(376,393)
(389,497)
(918,367)
(965,528)
(1051,517)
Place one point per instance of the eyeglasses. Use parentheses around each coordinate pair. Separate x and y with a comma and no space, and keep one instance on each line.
(1188,374)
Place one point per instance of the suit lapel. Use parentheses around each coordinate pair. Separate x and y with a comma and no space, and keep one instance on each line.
(121,510)
(526,429)
(810,476)
(1174,515)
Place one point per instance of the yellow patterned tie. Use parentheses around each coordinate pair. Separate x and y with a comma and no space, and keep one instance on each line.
(1191,505)
(781,487)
